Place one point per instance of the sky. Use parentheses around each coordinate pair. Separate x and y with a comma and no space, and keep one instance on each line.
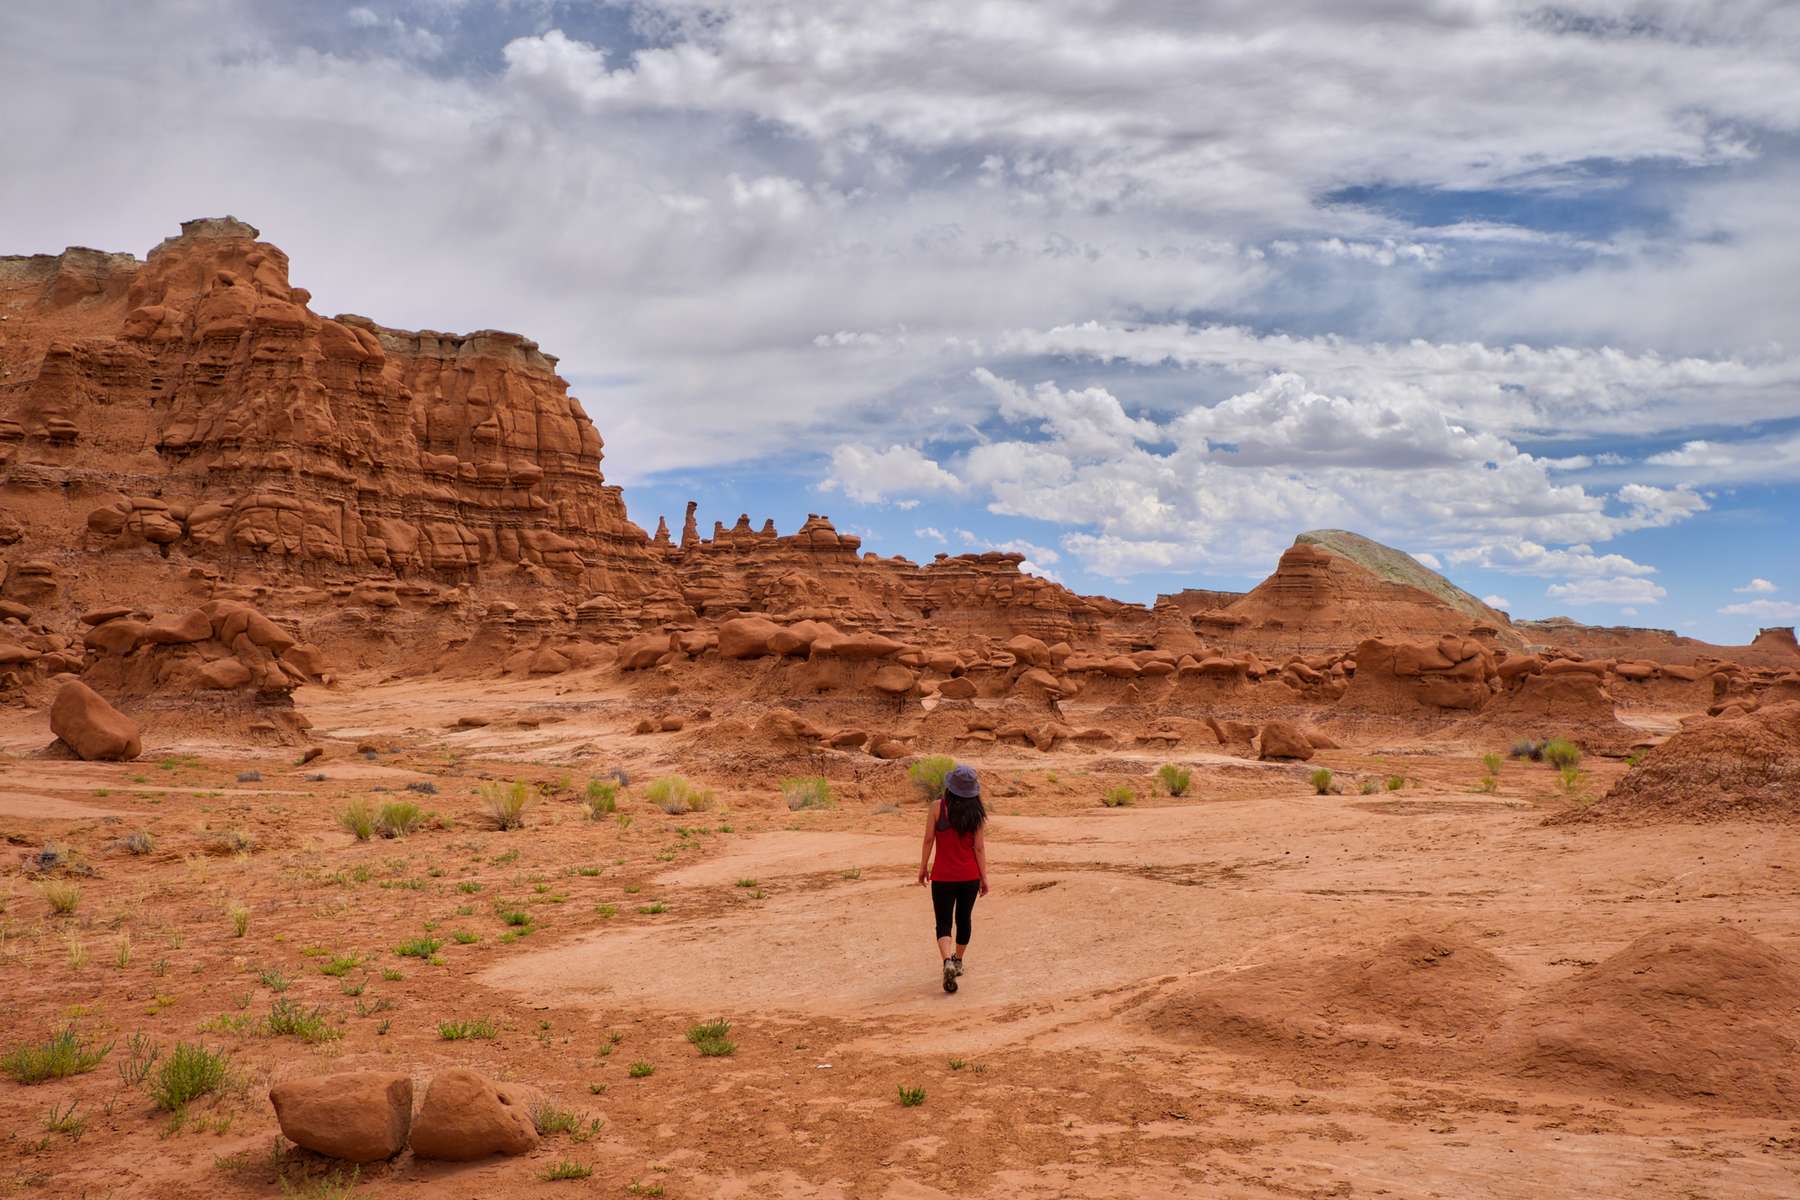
(1139,289)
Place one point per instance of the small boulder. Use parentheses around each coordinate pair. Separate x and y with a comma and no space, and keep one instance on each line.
(893,680)
(357,1116)
(223,674)
(465,1116)
(176,631)
(1282,739)
(888,748)
(746,637)
(118,636)
(958,688)
(91,727)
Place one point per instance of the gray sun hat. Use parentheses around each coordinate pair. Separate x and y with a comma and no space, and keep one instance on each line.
(961,781)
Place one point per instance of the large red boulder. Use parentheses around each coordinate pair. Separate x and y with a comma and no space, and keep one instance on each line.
(358,1116)
(91,727)
(465,1116)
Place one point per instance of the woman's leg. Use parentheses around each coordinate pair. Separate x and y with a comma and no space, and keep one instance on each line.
(943,904)
(965,916)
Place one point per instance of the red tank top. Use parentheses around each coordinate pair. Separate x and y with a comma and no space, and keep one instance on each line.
(954,860)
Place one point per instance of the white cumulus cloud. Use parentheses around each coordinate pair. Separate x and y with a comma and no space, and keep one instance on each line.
(1619,590)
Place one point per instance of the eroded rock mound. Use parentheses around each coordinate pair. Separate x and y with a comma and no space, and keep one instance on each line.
(1700,1013)
(91,727)
(1401,679)
(357,1116)
(1716,768)
(466,1116)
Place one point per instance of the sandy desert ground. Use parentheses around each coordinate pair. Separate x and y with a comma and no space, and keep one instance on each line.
(1252,990)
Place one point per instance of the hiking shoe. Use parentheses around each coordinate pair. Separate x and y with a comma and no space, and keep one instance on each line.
(959,967)
(950,974)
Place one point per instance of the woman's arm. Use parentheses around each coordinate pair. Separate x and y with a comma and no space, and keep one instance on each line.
(930,841)
(981,857)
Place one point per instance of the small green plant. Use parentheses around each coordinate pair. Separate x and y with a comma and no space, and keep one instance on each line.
(928,773)
(1175,779)
(480,1029)
(190,1071)
(122,952)
(1634,758)
(506,802)
(624,820)
(1488,785)
(639,1188)
(653,908)
(65,1054)
(746,883)
(640,1070)
(333,1185)
(398,818)
(63,1119)
(273,979)
(139,843)
(911,1097)
(602,797)
(339,965)
(62,896)
(1569,776)
(1370,787)
(240,918)
(712,1038)
(468,887)
(551,1118)
(1395,782)
(957,1064)
(564,1169)
(675,795)
(464,937)
(358,818)
(1560,753)
(1119,795)
(1490,762)
(423,947)
(607,911)
(77,951)
(287,1019)
(1321,781)
(806,791)
(140,1055)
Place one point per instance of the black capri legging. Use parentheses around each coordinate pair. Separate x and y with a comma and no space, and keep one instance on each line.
(958,897)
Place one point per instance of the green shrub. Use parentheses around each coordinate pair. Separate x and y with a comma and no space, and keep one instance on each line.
(399,818)
(423,947)
(1119,795)
(339,965)
(641,1070)
(506,802)
(1395,782)
(1321,781)
(806,791)
(602,797)
(359,819)
(1560,753)
(190,1071)
(1174,779)
(712,1038)
(675,795)
(911,1097)
(240,918)
(1490,762)
(481,1029)
(1570,776)
(564,1169)
(1489,784)
(1370,787)
(309,1025)
(1634,758)
(928,774)
(62,896)
(65,1054)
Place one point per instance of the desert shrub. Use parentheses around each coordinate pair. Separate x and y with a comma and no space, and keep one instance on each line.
(1321,781)
(1119,795)
(1570,777)
(1370,787)
(1560,753)
(1395,782)
(423,947)
(240,918)
(1527,748)
(1634,758)
(676,794)
(140,1055)
(928,774)
(564,1169)
(309,1025)
(65,1054)
(911,1097)
(62,896)
(806,791)
(1490,762)
(249,777)
(422,786)
(399,818)
(505,802)
(358,819)
(190,1071)
(602,797)
(139,843)
(455,1031)
(1175,779)
(1488,784)
(712,1038)
(641,1070)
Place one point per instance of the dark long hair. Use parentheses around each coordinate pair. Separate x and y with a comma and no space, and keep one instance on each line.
(964,814)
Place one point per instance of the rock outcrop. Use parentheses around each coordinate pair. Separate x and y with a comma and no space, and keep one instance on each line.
(84,722)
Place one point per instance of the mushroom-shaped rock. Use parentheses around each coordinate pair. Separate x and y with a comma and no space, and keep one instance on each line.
(856,647)
(1039,680)
(465,1116)
(746,637)
(1029,650)
(91,727)
(176,631)
(119,636)
(643,651)
(894,680)
(959,688)
(1282,739)
(223,674)
(1120,667)
(357,1116)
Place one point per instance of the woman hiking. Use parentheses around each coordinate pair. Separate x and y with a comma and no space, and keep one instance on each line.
(953,829)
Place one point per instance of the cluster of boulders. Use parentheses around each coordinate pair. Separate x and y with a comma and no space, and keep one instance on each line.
(367,1116)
